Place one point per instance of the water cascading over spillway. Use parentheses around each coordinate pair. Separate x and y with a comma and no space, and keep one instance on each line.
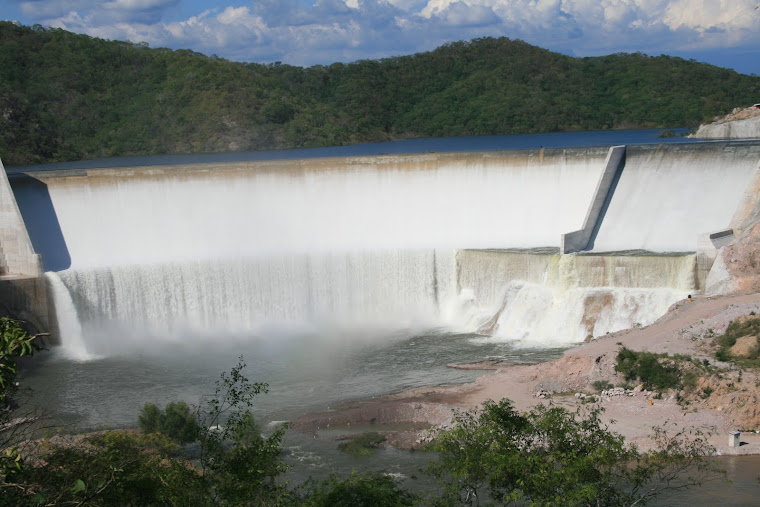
(390,242)
(547,298)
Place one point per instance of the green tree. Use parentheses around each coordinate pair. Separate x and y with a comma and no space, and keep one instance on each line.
(68,96)
(149,420)
(112,468)
(237,464)
(240,464)
(550,456)
(176,421)
(15,342)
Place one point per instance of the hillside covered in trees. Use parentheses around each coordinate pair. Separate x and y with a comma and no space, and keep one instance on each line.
(65,96)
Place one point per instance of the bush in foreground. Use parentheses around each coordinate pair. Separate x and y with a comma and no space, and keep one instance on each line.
(176,421)
(550,456)
(357,490)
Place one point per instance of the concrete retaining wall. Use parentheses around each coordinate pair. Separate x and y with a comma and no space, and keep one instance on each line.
(17,257)
(708,246)
(579,240)
(23,292)
(26,299)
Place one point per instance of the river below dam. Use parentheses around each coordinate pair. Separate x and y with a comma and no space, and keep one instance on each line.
(305,373)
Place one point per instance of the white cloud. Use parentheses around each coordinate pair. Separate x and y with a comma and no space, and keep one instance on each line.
(41,10)
(323,31)
(98,13)
(134,5)
(461,14)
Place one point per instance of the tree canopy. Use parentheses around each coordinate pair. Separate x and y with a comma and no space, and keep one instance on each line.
(551,456)
(65,96)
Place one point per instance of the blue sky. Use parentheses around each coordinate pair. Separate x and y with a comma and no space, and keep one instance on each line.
(307,32)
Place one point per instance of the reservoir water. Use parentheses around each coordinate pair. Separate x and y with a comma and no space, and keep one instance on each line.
(406,146)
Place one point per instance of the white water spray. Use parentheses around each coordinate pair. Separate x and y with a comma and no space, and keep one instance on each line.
(166,255)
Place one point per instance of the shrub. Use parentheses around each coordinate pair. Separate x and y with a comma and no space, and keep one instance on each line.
(550,456)
(655,371)
(112,468)
(357,490)
(737,329)
(176,422)
(149,418)
(601,385)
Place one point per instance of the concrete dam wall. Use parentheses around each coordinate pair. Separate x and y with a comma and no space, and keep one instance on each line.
(466,242)
(321,205)
(667,196)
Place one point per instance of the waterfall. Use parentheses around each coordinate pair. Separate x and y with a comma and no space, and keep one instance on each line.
(378,290)
(69,328)
(160,254)
(530,297)
(545,298)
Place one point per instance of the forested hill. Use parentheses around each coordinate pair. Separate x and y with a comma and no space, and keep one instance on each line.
(65,96)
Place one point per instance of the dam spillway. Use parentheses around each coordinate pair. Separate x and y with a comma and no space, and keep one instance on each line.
(462,241)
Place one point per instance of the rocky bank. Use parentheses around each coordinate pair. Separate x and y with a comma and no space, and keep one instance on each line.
(687,329)
(741,123)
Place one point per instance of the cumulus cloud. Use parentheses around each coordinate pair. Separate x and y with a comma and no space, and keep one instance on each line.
(322,31)
(138,4)
(97,14)
(460,14)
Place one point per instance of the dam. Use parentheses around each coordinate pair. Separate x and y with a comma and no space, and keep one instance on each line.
(541,246)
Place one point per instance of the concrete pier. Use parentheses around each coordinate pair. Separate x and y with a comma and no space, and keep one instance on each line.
(579,240)
(23,294)
(17,257)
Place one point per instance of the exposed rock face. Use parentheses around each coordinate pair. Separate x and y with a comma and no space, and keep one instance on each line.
(736,270)
(740,124)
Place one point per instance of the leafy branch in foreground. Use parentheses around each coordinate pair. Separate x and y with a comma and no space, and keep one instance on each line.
(240,463)
(550,456)
(237,465)
(14,343)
